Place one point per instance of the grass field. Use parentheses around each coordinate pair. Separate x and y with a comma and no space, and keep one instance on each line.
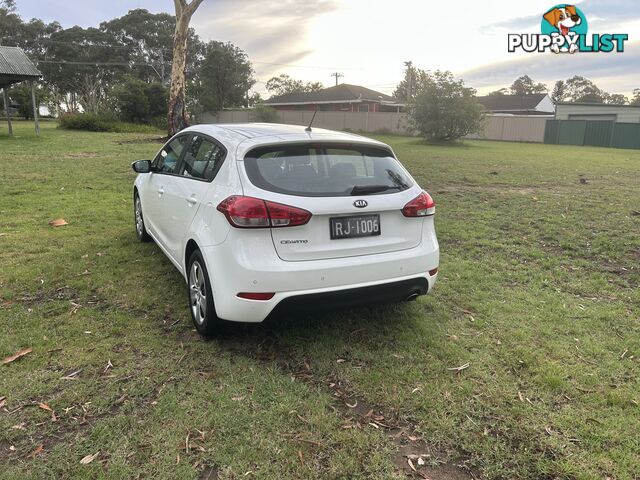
(538,294)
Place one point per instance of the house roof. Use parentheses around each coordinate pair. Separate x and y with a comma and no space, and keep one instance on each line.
(15,67)
(343,93)
(587,104)
(511,103)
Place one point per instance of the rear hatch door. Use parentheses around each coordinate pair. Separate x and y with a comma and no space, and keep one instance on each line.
(354,192)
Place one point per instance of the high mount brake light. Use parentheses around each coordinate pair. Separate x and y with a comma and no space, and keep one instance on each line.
(421,206)
(250,212)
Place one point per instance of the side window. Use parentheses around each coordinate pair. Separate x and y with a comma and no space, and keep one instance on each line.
(167,159)
(202,159)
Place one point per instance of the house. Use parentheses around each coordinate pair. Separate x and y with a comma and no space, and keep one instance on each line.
(531,104)
(598,111)
(341,98)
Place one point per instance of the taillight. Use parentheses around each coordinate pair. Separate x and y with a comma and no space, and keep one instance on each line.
(286,216)
(249,212)
(421,206)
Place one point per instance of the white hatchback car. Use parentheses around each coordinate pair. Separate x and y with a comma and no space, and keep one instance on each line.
(265,218)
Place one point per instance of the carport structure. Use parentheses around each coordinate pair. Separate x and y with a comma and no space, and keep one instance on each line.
(15,67)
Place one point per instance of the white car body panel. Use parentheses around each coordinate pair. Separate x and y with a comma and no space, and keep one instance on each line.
(262,260)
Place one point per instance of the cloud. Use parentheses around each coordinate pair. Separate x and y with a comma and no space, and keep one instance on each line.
(597,12)
(270,32)
(619,71)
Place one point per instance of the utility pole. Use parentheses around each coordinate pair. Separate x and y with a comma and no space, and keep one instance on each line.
(409,78)
(337,75)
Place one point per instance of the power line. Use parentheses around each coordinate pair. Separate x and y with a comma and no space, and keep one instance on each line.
(83,45)
(122,64)
(157,49)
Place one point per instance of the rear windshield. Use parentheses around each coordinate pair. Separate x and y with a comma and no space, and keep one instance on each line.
(325,170)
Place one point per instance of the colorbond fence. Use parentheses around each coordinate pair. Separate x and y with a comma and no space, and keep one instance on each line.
(597,133)
(496,127)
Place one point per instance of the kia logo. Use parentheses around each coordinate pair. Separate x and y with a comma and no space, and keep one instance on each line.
(360,203)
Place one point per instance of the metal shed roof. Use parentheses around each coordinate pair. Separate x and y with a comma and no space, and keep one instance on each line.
(15,67)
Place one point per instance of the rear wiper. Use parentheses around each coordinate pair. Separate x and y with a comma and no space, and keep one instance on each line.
(369,189)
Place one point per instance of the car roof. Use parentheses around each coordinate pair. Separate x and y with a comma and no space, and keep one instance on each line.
(258,131)
(240,138)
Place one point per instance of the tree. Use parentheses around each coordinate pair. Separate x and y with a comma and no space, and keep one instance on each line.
(264,113)
(615,99)
(284,84)
(8,5)
(177,112)
(73,75)
(131,102)
(254,99)
(559,93)
(583,90)
(137,101)
(499,92)
(406,89)
(524,85)
(414,80)
(224,77)
(148,38)
(443,108)
(20,95)
(636,97)
(158,97)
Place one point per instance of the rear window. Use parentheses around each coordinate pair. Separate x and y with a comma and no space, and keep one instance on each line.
(325,170)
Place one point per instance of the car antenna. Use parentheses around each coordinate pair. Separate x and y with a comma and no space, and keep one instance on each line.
(308,129)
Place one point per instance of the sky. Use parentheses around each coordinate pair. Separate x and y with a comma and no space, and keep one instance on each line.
(368,41)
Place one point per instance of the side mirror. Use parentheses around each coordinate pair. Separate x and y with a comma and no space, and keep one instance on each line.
(141,166)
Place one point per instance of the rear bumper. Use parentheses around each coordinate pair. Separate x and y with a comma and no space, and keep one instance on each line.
(248,263)
(352,297)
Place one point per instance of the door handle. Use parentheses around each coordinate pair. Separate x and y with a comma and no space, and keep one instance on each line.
(161,191)
(192,200)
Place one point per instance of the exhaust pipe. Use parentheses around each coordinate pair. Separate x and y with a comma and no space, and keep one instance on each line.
(412,297)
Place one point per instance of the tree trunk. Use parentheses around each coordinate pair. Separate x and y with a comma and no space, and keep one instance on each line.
(177,118)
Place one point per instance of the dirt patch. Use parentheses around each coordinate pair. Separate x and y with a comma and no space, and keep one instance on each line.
(143,140)
(82,155)
(462,188)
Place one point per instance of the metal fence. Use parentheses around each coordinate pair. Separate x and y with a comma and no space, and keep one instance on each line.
(510,128)
(513,128)
(597,133)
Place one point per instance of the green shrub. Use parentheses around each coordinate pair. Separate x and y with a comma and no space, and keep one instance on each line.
(443,109)
(264,113)
(160,122)
(137,101)
(101,123)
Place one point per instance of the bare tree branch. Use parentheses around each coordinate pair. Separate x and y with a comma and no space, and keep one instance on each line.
(193,6)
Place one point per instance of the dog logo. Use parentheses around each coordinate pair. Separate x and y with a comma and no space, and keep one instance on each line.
(564,19)
(564,30)
(360,203)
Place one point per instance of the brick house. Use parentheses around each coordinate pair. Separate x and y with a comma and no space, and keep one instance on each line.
(341,98)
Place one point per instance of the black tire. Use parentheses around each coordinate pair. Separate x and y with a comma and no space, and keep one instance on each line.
(141,230)
(201,304)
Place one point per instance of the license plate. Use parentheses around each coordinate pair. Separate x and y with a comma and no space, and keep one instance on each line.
(353,227)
